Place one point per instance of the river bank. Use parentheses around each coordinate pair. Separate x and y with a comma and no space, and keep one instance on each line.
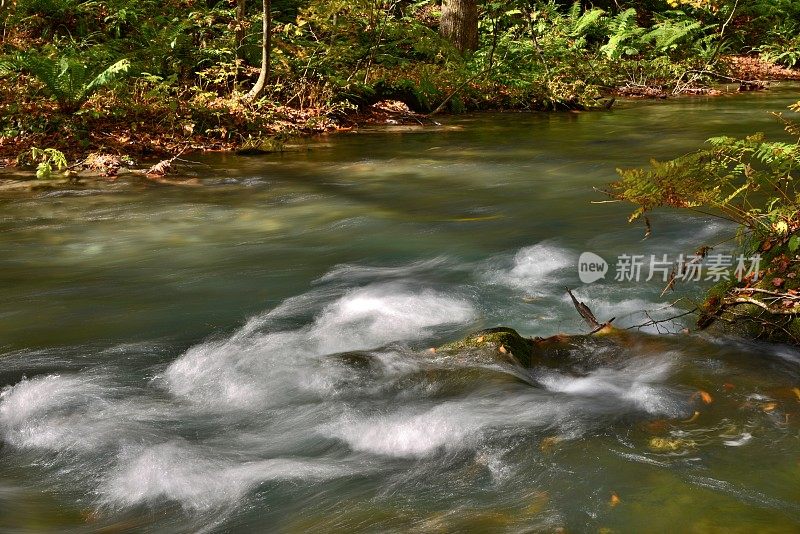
(99,142)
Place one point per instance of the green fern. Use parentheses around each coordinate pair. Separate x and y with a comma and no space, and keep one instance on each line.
(589,19)
(667,34)
(748,180)
(624,32)
(67,78)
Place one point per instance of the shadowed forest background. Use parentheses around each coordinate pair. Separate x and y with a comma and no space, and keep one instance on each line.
(154,78)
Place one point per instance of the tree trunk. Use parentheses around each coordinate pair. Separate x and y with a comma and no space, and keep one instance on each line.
(460,24)
(266,50)
(240,14)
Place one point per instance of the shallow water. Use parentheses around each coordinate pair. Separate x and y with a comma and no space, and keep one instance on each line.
(252,354)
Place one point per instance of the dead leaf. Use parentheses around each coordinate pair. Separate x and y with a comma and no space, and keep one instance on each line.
(503,349)
(796,392)
(693,418)
(705,396)
(769,406)
(670,444)
(615,500)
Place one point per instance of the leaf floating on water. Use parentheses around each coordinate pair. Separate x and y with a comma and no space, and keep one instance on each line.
(665,444)
(769,406)
(549,443)
(671,445)
(615,500)
(695,416)
(728,386)
(796,392)
(705,396)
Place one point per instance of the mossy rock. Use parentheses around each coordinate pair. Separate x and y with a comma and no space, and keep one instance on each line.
(748,320)
(505,344)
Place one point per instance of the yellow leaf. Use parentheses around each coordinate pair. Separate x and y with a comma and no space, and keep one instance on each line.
(615,500)
(693,418)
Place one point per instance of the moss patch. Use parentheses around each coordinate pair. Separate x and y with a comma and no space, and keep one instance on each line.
(505,343)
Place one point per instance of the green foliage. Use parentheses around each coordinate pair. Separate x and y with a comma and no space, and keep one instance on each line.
(68,78)
(45,160)
(624,35)
(783,46)
(750,181)
(184,61)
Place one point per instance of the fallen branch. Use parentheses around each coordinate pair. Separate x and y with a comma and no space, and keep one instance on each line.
(163,167)
(656,322)
(733,301)
(584,311)
(726,77)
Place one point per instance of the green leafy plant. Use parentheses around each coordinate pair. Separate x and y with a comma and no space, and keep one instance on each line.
(624,35)
(68,78)
(46,160)
(750,181)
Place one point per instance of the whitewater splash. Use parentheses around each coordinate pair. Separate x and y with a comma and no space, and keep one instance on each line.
(257,407)
(257,368)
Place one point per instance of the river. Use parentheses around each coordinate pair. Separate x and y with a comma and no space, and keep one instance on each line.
(171,357)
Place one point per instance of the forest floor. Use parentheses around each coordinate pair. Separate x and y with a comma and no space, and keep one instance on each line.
(107,138)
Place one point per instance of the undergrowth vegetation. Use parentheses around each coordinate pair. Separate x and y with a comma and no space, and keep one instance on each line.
(751,181)
(154,77)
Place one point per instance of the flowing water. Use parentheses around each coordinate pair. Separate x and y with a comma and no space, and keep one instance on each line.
(252,354)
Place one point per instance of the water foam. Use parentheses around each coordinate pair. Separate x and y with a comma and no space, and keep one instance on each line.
(534,268)
(637,384)
(57,413)
(177,472)
(253,368)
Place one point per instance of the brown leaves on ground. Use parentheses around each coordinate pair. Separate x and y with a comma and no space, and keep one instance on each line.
(141,127)
(392,112)
(103,164)
(755,68)
(640,91)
